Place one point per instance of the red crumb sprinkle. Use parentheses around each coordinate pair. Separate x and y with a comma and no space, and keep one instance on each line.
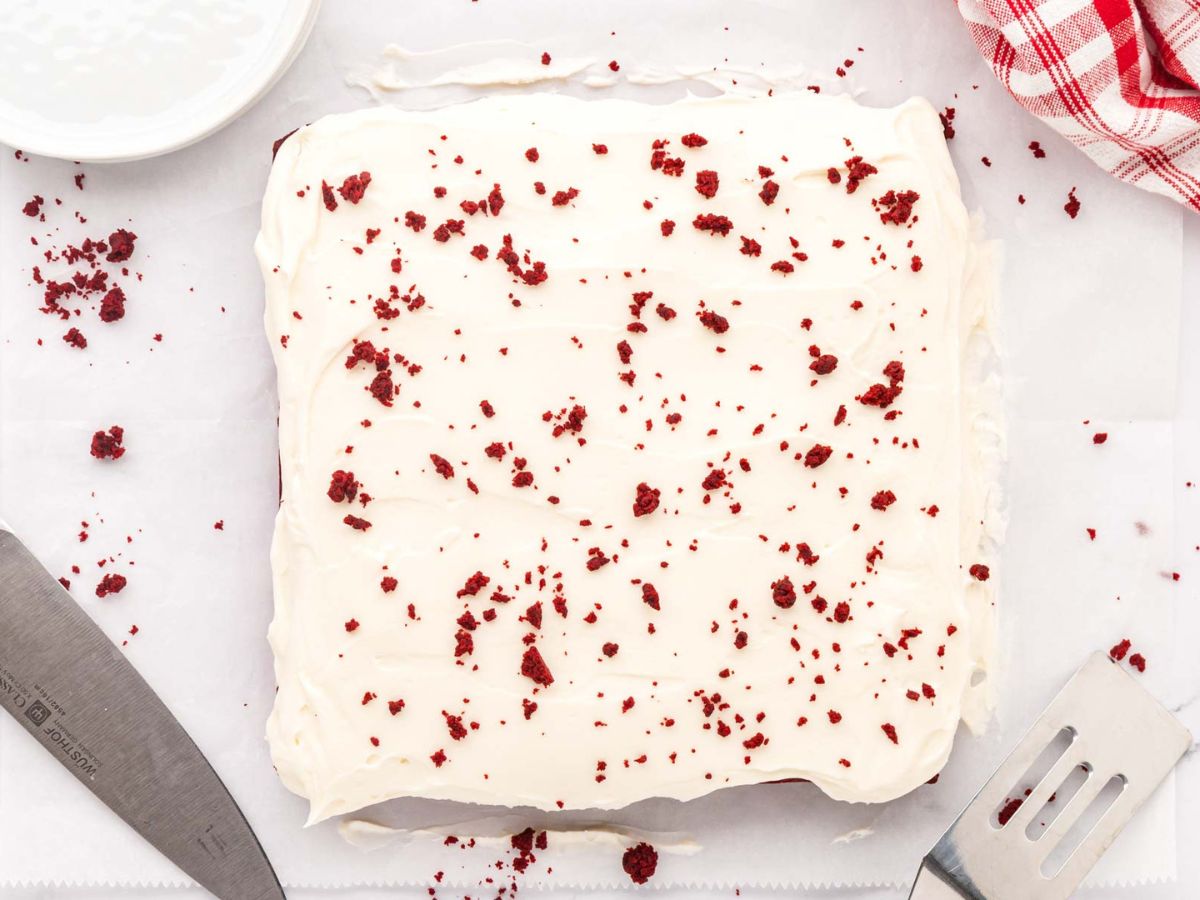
(693,140)
(352,625)
(881,395)
(120,245)
(713,224)
(667,227)
(108,445)
(980,572)
(112,305)
(562,198)
(895,208)
(532,154)
(890,730)
(1119,650)
(356,523)
(354,187)
(856,172)
(1009,810)
(610,649)
(1137,661)
(328,198)
(824,364)
(882,500)
(640,862)
(646,500)
(707,183)
(111,584)
(388,584)
(817,455)
(614,65)
(1035,147)
(1099,437)
(342,486)
(650,596)
(1072,205)
(947,118)
(783,592)
(770,190)
(441,465)
(714,321)
(75,338)
(438,758)
(545,59)
(534,667)
(473,585)
(600,149)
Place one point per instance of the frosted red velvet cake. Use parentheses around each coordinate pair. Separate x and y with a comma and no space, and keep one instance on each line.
(625,450)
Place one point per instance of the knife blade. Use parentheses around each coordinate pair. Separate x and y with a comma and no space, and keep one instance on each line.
(74,691)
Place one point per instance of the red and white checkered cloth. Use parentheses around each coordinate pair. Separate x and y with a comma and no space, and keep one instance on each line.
(1119,78)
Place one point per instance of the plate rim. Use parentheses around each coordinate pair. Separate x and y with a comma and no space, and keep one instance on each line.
(156,142)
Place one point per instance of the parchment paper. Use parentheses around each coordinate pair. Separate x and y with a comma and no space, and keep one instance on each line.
(1089,314)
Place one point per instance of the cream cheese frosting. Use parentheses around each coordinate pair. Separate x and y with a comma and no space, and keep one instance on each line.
(625,451)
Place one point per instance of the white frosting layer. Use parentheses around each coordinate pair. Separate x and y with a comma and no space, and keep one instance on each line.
(747,393)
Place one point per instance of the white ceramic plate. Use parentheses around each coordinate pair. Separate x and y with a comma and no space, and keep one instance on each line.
(109,80)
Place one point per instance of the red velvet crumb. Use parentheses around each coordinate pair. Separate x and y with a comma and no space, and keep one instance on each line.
(535,669)
(817,455)
(342,486)
(714,321)
(112,305)
(108,445)
(707,183)
(442,466)
(1072,205)
(354,187)
(713,224)
(646,500)
(120,245)
(111,584)
(650,596)
(783,592)
(640,862)
(882,500)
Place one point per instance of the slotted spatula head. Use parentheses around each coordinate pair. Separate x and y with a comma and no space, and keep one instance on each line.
(1062,796)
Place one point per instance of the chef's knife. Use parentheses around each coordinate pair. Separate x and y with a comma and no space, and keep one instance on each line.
(73,690)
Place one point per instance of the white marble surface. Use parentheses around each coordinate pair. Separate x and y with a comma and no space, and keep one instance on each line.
(307,90)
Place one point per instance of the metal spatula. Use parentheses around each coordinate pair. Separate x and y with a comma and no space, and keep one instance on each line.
(1058,801)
